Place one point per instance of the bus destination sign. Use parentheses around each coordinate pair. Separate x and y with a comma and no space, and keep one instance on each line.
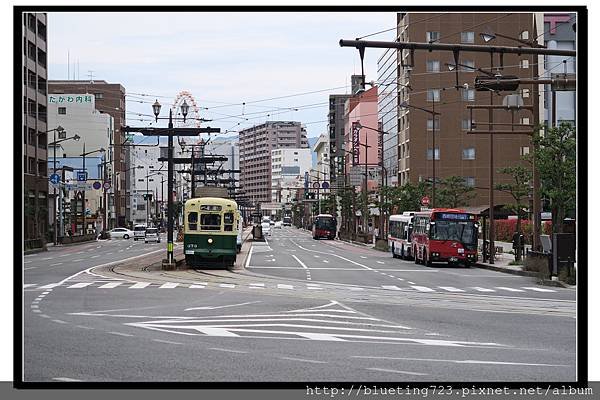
(455,216)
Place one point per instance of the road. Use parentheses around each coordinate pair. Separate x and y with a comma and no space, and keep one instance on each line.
(301,310)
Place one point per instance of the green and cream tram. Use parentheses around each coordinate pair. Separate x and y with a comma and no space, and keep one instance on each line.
(210,231)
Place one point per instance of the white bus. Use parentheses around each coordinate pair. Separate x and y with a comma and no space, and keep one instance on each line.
(399,236)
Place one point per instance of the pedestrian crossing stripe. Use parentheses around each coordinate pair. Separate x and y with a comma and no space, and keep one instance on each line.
(104,284)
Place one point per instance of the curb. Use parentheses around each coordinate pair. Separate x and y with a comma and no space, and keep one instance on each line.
(506,271)
(548,282)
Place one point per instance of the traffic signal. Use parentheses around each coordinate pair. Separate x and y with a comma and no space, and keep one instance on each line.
(506,83)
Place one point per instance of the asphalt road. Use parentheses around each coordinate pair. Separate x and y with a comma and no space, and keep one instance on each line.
(321,311)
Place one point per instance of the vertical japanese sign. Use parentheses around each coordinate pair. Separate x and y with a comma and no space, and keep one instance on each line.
(380,143)
(356,143)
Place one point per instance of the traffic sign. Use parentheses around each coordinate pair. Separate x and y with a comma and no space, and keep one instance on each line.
(325,185)
(106,185)
(316,185)
(425,201)
(96,185)
(81,176)
(54,179)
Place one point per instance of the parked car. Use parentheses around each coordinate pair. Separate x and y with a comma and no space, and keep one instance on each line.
(287,221)
(266,228)
(139,232)
(152,235)
(120,233)
(278,224)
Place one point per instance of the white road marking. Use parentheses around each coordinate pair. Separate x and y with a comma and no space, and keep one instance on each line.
(108,254)
(396,371)
(451,289)
(461,361)
(282,286)
(303,360)
(390,287)
(300,262)
(509,289)
(257,285)
(325,261)
(356,288)
(80,285)
(319,336)
(83,327)
(412,283)
(423,288)
(249,257)
(169,285)
(227,350)
(380,262)
(120,334)
(316,256)
(480,289)
(538,289)
(25,286)
(197,286)
(63,379)
(110,285)
(226,306)
(26,262)
(58,321)
(226,285)
(96,256)
(165,341)
(363,257)
(46,258)
(52,265)
(78,260)
(140,285)
(50,286)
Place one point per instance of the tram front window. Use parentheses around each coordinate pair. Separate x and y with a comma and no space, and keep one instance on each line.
(210,222)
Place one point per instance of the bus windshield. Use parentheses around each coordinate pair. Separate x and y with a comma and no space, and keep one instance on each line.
(325,223)
(464,232)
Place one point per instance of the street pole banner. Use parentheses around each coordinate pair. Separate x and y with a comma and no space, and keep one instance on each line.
(380,142)
(355,143)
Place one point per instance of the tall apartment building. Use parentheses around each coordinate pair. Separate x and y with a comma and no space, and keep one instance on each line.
(35,127)
(256,144)
(147,176)
(109,99)
(559,33)
(456,152)
(387,105)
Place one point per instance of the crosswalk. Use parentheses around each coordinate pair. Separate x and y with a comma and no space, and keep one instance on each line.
(105,285)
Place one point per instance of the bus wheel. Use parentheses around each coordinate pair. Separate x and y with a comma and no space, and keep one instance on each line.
(416,254)
(426,261)
(394,252)
(402,253)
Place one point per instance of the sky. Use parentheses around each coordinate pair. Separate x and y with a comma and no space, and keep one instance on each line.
(222,59)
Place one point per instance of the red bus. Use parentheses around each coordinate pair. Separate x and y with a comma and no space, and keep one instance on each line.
(445,235)
(324,226)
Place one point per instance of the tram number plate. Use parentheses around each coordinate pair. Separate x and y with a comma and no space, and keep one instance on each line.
(189,252)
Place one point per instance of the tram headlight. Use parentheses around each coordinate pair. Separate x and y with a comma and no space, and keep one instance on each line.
(209,240)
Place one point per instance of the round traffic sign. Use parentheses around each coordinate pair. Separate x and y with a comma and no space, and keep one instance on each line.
(106,185)
(425,200)
(316,185)
(325,185)
(54,178)
(96,185)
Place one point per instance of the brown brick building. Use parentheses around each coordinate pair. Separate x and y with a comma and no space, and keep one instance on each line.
(35,127)
(110,99)
(457,152)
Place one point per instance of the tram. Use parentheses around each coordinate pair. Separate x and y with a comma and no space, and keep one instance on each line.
(211,227)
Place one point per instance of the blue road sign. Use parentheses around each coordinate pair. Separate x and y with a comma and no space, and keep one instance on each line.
(97,185)
(54,178)
(81,176)
(325,185)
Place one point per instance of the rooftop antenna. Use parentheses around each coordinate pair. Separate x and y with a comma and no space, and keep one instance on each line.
(91,75)
(68,66)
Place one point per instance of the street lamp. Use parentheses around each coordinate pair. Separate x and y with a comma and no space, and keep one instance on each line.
(433,115)
(184,111)
(75,137)
(84,154)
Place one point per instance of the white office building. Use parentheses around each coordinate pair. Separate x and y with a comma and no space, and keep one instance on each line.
(288,168)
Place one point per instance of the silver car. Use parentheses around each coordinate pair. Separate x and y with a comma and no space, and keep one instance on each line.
(152,235)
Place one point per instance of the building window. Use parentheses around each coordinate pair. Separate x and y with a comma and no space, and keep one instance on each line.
(41,85)
(524,150)
(466,124)
(430,153)
(430,124)
(41,57)
(42,116)
(468,153)
(469,181)
(62,110)
(31,79)
(433,66)
(140,180)
(432,36)
(32,20)
(525,121)
(525,93)
(467,66)
(468,94)
(524,35)
(41,30)
(99,96)
(524,64)
(32,167)
(42,140)
(467,37)
(433,95)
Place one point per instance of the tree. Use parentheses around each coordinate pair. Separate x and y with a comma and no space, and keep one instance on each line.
(519,190)
(454,192)
(555,157)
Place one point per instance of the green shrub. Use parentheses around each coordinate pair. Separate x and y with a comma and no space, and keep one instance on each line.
(537,264)
(567,275)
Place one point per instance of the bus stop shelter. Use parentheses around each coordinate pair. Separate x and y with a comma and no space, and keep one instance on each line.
(483,212)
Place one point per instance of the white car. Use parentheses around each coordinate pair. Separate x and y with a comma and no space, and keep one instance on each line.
(266,228)
(152,235)
(120,233)
(139,232)
(278,224)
